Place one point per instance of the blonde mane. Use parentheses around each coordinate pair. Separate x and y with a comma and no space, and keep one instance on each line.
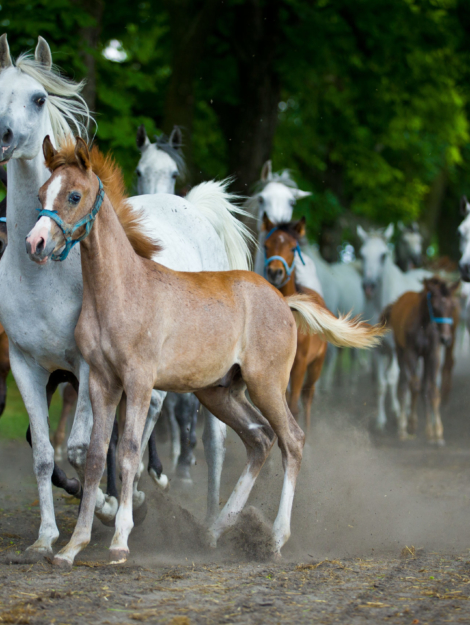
(67,109)
(106,168)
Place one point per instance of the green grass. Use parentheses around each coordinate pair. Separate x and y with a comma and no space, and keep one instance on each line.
(14,421)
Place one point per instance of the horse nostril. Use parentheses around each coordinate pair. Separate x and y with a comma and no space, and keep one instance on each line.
(7,136)
(40,245)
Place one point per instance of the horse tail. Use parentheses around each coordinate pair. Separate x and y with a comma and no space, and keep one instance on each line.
(217,205)
(312,317)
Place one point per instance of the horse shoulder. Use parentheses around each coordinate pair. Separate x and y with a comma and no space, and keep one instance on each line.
(404,316)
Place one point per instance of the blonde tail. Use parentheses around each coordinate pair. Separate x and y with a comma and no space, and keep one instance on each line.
(312,317)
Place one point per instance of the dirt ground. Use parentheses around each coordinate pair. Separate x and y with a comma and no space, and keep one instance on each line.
(379,534)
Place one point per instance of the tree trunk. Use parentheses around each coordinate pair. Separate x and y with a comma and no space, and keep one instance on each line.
(433,204)
(190,28)
(90,35)
(249,128)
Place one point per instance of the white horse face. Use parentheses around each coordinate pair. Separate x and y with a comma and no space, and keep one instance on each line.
(464,233)
(156,172)
(374,252)
(413,243)
(23,115)
(278,200)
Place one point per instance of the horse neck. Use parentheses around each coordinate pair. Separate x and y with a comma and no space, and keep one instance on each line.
(289,288)
(106,255)
(392,283)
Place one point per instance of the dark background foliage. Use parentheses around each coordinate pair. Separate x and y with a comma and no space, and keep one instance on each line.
(367,102)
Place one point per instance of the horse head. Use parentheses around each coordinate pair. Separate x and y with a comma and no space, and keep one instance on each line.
(464,234)
(277,195)
(280,247)
(373,253)
(160,164)
(409,246)
(440,305)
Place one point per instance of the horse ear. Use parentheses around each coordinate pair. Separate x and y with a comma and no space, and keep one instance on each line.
(361,233)
(267,224)
(464,206)
(49,152)
(82,154)
(43,53)
(388,234)
(5,58)
(176,138)
(141,139)
(267,171)
(299,195)
(300,226)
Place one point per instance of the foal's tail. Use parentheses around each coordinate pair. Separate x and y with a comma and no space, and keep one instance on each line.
(216,204)
(312,317)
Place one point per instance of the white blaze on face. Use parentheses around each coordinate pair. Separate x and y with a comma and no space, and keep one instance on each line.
(43,226)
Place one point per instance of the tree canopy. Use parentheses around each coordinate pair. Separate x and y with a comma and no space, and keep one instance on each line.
(367,103)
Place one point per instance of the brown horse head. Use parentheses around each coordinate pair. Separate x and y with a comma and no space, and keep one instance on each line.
(72,192)
(282,242)
(441,306)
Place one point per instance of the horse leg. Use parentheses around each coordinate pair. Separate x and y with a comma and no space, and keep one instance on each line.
(170,407)
(32,380)
(271,402)
(138,403)
(68,401)
(393,373)
(446,382)
(297,376)
(111,482)
(434,428)
(382,389)
(105,395)
(330,366)
(155,467)
(231,406)
(402,390)
(185,413)
(308,392)
(79,440)
(213,440)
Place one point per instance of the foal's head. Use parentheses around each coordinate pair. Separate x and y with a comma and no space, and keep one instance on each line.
(282,242)
(440,306)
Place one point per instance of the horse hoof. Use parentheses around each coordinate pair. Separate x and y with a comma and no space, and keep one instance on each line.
(139,514)
(118,556)
(161,481)
(440,442)
(276,557)
(62,563)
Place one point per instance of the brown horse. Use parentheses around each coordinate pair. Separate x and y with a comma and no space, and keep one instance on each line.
(144,326)
(281,246)
(420,323)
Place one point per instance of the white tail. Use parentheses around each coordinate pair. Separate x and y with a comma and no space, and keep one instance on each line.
(312,317)
(215,203)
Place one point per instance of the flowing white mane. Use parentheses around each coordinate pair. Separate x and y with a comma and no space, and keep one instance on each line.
(67,109)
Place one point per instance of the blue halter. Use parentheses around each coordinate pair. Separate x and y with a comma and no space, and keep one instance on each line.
(289,269)
(434,319)
(3,220)
(68,229)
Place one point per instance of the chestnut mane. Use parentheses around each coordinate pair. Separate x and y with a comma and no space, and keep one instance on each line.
(106,168)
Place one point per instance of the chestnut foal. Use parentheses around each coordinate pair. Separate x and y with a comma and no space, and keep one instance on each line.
(280,247)
(420,323)
(144,326)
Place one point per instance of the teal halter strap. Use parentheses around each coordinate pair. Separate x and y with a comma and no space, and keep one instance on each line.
(439,320)
(69,229)
(288,269)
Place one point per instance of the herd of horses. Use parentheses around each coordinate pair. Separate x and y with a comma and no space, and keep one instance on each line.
(140,304)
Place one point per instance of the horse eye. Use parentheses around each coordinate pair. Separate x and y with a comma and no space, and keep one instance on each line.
(138,172)
(40,101)
(383,257)
(260,199)
(74,198)
(292,202)
(174,175)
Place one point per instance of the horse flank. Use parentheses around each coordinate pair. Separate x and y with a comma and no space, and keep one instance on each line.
(110,174)
(343,331)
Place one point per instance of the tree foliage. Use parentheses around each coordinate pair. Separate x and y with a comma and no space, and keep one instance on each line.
(367,103)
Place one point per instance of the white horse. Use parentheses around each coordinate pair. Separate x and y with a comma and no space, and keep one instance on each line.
(384,282)
(40,305)
(464,264)
(161,162)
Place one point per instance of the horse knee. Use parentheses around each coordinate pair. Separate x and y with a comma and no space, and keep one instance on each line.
(77,454)
(44,466)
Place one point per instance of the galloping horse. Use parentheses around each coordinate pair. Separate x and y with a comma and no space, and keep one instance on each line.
(198,234)
(281,245)
(420,323)
(143,326)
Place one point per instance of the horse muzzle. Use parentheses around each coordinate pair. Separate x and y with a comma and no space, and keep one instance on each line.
(275,275)
(369,288)
(39,245)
